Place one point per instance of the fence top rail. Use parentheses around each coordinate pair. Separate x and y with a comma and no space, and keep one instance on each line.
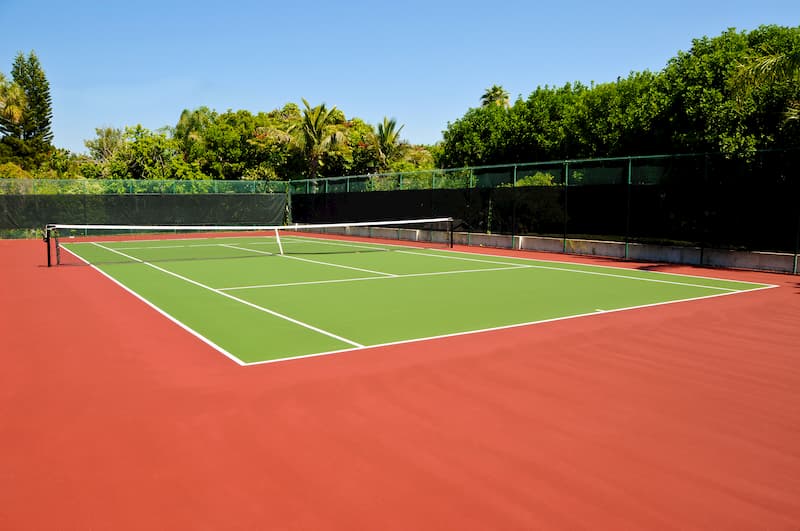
(509,166)
(210,186)
(137,186)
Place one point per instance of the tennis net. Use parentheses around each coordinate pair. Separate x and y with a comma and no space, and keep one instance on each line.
(94,244)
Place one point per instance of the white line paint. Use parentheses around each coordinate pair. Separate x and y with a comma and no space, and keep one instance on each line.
(241,301)
(159,310)
(361,347)
(340,243)
(504,327)
(527,259)
(584,272)
(358,279)
(318,262)
(267,240)
(383,245)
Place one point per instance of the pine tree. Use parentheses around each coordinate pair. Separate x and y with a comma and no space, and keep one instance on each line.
(35,126)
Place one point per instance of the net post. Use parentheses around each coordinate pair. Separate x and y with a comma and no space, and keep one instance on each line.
(278,239)
(450,228)
(47,243)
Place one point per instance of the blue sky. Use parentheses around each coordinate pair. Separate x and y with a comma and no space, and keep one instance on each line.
(424,63)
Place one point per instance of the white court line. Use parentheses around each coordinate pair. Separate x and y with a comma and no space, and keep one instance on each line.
(504,327)
(319,262)
(382,245)
(341,243)
(362,347)
(358,279)
(74,240)
(241,301)
(150,247)
(566,269)
(526,259)
(464,258)
(159,310)
(627,277)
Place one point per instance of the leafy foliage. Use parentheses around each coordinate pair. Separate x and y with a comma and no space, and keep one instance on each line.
(776,64)
(692,105)
(731,94)
(495,95)
(26,113)
(12,105)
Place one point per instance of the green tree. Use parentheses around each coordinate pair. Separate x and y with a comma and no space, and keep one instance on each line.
(277,146)
(38,113)
(12,105)
(534,129)
(773,67)
(619,118)
(26,114)
(108,142)
(708,113)
(495,95)
(321,135)
(387,140)
(9,170)
(476,138)
(191,131)
(138,153)
(692,105)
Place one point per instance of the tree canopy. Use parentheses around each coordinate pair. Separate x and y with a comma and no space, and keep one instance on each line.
(25,113)
(495,95)
(695,104)
(735,93)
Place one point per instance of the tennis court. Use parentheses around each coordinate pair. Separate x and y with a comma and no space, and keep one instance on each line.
(260,298)
(675,415)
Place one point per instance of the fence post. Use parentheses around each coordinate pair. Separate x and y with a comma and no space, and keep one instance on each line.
(566,195)
(514,206)
(628,210)
(796,242)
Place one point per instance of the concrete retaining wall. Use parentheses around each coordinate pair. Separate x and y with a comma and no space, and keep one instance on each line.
(763,261)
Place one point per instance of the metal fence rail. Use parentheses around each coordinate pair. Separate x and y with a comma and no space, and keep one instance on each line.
(700,200)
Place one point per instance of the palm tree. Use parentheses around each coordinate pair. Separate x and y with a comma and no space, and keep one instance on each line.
(495,95)
(320,135)
(769,68)
(387,140)
(12,105)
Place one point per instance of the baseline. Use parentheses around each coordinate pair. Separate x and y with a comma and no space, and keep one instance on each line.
(507,327)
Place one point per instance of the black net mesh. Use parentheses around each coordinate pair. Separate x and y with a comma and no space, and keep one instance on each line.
(698,200)
(34,211)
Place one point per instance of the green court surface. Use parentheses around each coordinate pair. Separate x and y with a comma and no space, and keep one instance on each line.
(255,305)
